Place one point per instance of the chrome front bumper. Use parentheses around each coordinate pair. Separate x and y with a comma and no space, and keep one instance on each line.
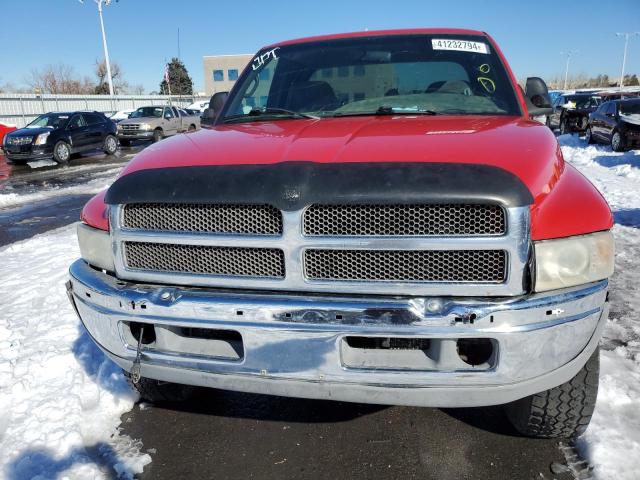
(295,345)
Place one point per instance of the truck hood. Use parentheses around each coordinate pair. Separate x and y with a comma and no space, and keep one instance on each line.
(524,148)
(139,120)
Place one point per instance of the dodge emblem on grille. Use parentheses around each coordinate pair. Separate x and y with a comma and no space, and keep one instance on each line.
(291,194)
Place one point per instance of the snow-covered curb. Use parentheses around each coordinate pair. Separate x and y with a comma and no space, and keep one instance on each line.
(60,398)
(612,441)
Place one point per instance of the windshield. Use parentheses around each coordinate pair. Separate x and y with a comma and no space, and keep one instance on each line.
(50,120)
(584,101)
(630,108)
(146,112)
(447,74)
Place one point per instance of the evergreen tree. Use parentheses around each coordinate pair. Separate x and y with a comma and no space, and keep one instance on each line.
(181,83)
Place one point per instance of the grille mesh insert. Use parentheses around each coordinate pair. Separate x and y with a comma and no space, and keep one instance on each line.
(205,260)
(482,266)
(449,219)
(222,219)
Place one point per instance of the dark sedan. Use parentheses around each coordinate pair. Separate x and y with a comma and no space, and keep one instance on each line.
(59,135)
(616,123)
(571,112)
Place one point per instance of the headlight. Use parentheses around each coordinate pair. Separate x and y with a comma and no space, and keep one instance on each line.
(42,138)
(145,126)
(95,247)
(119,127)
(566,262)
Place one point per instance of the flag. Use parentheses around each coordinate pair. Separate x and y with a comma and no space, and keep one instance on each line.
(166,73)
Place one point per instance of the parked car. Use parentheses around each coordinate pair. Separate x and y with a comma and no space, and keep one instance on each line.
(121,115)
(616,123)
(617,95)
(359,224)
(4,129)
(58,135)
(571,112)
(200,105)
(553,94)
(154,123)
(191,111)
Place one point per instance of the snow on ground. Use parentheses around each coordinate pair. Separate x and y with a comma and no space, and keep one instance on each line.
(612,441)
(60,398)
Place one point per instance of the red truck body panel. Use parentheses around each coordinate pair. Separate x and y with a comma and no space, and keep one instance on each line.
(565,203)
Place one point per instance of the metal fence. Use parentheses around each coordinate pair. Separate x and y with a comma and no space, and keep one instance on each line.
(20,109)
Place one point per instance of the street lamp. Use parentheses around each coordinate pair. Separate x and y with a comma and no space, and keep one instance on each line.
(104,41)
(569,54)
(624,56)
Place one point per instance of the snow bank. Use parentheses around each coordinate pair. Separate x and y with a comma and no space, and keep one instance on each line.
(61,399)
(612,441)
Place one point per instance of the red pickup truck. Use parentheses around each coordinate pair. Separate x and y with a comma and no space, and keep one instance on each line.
(372,217)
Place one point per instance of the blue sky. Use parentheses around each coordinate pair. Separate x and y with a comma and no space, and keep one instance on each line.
(143,33)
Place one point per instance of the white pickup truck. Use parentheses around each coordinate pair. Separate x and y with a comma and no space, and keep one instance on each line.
(156,122)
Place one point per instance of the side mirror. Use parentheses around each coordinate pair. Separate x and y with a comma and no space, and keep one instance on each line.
(215,107)
(537,98)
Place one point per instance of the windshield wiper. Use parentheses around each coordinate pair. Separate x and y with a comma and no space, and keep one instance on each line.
(257,112)
(388,110)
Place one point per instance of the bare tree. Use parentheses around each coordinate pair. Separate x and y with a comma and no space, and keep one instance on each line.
(59,79)
(137,89)
(120,85)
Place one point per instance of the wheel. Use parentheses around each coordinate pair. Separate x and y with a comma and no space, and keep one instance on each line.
(155,391)
(110,145)
(192,128)
(617,142)
(562,412)
(157,135)
(61,152)
(563,127)
(125,143)
(588,136)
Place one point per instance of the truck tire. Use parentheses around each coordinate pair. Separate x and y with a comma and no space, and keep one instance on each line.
(588,135)
(563,127)
(155,391)
(110,145)
(561,412)
(157,135)
(125,143)
(61,152)
(192,128)
(617,142)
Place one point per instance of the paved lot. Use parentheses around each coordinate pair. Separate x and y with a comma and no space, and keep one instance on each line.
(227,435)
(233,435)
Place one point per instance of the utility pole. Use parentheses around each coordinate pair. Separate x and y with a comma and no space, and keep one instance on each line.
(104,41)
(624,56)
(569,54)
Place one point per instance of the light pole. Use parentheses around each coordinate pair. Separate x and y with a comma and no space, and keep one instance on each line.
(104,41)
(566,69)
(624,56)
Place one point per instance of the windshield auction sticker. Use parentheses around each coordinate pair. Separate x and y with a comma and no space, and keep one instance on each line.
(459,45)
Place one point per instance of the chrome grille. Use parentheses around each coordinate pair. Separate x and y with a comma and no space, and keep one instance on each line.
(129,126)
(228,219)
(443,264)
(19,140)
(480,266)
(404,220)
(205,260)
